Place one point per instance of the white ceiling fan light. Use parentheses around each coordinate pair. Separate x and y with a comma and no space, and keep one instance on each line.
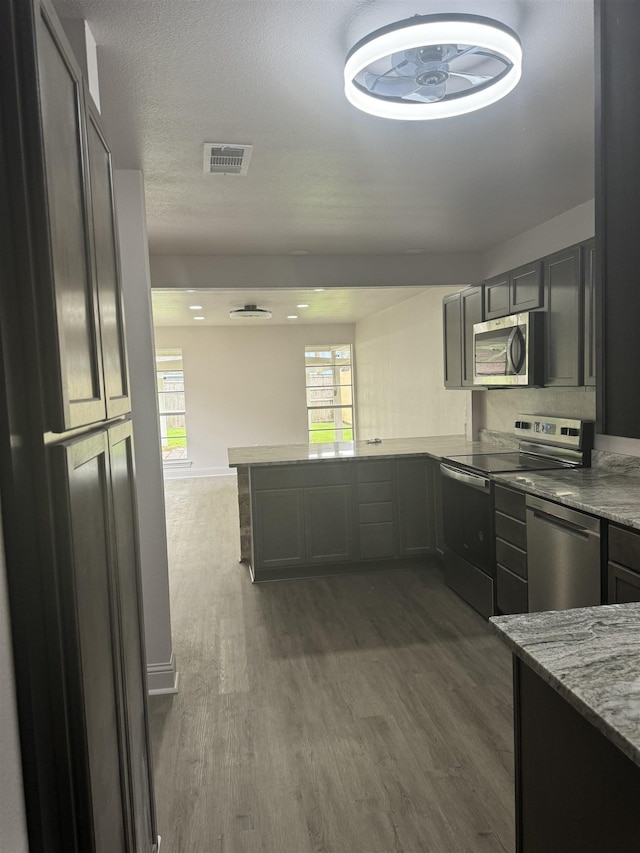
(250,312)
(411,70)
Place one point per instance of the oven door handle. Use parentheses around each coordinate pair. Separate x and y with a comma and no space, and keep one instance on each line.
(483,484)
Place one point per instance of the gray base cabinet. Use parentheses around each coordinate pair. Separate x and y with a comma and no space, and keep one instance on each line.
(623,566)
(311,518)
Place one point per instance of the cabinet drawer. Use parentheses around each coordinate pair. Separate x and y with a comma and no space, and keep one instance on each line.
(376,541)
(624,547)
(623,584)
(511,530)
(373,513)
(369,493)
(374,472)
(511,557)
(511,594)
(296,476)
(510,502)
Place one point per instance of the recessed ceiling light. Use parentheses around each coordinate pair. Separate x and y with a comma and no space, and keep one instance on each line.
(414,251)
(303,305)
(292,316)
(190,291)
(318,289)
(198,318)
(195,307)
(424,67)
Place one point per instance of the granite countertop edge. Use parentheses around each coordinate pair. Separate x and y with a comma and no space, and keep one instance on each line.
(600,720)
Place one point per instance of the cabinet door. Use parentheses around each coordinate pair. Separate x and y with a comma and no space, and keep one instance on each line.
(472,310)
(107,271)
(129,598)
(415,506)
(623,584)
(589,253)
(563,320)
(329,523)
(88,603)
(496,297)
(279,528)
(526,292)
(436,478)
(452,333)
(71,342)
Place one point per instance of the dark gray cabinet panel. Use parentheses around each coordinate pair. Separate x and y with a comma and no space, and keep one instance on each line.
(452,333)
(511,550)
(107,271)
(511,592)
(415,506)
(623,567)
(525,288)
(472,312)
(436,478)
(328,524)
(129,598)
(75,383)
(589,262)
(496,297)
(563,321)
(88,601)
(377,541)
(279,531)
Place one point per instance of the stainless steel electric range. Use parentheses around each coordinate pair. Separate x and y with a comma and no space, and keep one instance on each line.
(545,443)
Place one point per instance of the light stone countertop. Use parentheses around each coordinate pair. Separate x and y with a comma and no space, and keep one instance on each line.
(434,446)
(609,494)
(591,657)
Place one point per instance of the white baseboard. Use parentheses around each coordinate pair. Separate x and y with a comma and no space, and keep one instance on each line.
(187,473)
(162,677)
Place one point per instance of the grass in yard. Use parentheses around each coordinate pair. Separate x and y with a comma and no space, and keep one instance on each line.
(175,438)
(326,432)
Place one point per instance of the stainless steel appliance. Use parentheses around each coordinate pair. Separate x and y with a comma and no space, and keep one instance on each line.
(546,443)
(563,555)
(509,351)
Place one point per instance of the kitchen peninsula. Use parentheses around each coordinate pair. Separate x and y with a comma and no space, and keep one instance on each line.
(312,509)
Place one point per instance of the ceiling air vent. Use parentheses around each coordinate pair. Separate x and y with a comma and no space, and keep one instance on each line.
(226,158)
(251,312)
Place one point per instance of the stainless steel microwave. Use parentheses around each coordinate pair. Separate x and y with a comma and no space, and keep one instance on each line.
(508,351)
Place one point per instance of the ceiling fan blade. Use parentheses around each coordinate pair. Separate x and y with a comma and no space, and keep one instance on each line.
(466,52)
(405,63)
(396,87)
(428,94)
(474,79)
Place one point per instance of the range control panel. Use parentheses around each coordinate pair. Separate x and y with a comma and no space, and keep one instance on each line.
(562,432)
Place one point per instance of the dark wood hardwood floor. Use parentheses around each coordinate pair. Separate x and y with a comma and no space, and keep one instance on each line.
(365,713)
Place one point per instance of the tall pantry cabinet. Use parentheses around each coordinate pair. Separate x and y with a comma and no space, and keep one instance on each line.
(67,472)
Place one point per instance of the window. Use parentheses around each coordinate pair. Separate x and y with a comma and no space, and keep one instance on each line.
(329,393)
(171,405)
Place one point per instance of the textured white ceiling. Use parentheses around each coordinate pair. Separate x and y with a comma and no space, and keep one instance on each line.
(323,176)
(335,305)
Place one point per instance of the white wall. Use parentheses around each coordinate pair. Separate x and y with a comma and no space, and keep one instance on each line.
(13,832)
(134,259)
(399,364)
(244,385)
(572,226)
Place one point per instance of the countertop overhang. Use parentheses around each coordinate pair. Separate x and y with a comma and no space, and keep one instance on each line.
(591,657)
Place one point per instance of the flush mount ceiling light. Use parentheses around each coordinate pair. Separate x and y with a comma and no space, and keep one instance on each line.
(250,311)
(433,66)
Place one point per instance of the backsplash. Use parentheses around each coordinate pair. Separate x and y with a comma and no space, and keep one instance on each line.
(495,410)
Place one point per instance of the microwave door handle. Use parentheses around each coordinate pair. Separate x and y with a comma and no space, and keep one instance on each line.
(516,333)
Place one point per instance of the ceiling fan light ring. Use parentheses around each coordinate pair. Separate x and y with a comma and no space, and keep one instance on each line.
(424,31)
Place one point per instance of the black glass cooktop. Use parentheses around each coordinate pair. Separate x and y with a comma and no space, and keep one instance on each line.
(494,463)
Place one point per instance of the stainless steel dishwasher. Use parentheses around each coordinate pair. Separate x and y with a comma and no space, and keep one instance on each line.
(563,555)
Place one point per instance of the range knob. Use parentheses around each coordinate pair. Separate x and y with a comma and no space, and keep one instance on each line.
(572,431)
(522,425)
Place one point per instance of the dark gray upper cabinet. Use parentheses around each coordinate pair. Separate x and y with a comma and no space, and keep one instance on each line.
(107,271)
(525,288)
(71,344)
(496,297)
(472,312)
(452,335)
(589,270)
(563,361)
(515,291)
